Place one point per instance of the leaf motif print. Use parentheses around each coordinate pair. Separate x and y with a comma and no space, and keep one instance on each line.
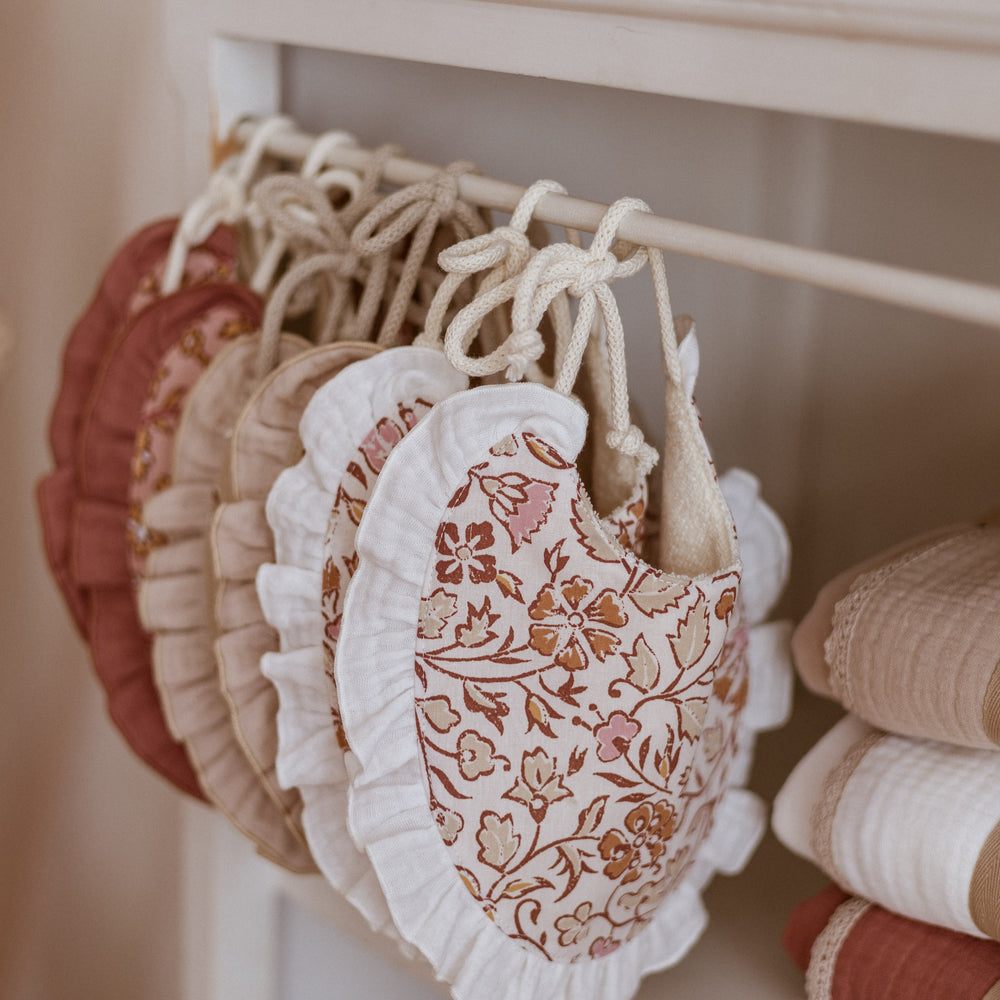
(476,629)
(655,594)
(591,532)
(477,699)
(590,818)
(692,637)
(520,887)
(544,452)
(435,612)
(497,841)
(644,668)
(692,717)
(510,585)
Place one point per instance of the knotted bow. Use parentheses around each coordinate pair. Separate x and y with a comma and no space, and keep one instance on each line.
(415,212)
(506,250)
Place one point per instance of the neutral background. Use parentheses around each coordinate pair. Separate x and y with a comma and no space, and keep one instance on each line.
(866,424)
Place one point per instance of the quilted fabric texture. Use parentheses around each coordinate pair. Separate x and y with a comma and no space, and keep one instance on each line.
(913,825)
(175,600)
(120,647)
(909,640)
(854,950)
(129,284)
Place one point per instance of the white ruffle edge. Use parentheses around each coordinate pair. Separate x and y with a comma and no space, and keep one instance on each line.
(388,813)
(338,417)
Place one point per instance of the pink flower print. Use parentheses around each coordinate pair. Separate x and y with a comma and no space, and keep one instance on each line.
(538,785)
(572,927)
(475,755)
(520,504)
(603,947)
(615,735)
(649,826)
(383,437)
(571,623)
(469,555)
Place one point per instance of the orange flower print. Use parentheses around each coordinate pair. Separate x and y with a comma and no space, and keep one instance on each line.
(469,556)
(538,784)
(572,927)
(572,621)
(475,755)
(614,736)
(649,826)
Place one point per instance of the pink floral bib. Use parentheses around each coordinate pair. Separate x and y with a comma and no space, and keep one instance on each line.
(528,703)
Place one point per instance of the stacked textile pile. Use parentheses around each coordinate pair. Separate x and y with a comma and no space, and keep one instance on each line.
(898,803)
(392,614)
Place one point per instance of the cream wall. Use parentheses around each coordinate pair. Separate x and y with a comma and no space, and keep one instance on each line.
(89,851)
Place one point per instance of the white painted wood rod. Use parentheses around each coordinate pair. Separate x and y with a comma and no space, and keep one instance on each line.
(954,298)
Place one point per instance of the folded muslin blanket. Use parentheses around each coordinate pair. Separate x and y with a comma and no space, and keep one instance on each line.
(851,949)
(910,640)
(911,824)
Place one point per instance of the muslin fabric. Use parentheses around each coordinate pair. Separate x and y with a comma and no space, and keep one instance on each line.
(130,282)
(907,823)
(175,601)
(265,441)
(910,640)
(348,427)
(196,320)
(852,949)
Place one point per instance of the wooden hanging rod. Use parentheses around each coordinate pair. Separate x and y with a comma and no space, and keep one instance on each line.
(954,298)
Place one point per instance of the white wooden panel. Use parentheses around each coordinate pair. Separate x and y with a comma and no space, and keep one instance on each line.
(909,64)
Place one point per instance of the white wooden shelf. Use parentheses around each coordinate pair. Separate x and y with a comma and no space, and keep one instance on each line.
(926,65)
(910,63)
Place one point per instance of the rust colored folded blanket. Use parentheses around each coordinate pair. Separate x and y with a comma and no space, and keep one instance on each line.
(851,949)
(130,283)
(910,640)
(100,559)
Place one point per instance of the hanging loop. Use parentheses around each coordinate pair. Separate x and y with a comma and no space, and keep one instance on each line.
(415,212)
(507,251)
(227,200)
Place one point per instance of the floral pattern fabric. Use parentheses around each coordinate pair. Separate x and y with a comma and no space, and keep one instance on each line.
(340,558)
(574,707)
(152,456)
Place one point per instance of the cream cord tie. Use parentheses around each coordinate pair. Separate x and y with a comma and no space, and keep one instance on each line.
(507,250)
(586,274)
(416,212)
(226,201)
(302,219)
